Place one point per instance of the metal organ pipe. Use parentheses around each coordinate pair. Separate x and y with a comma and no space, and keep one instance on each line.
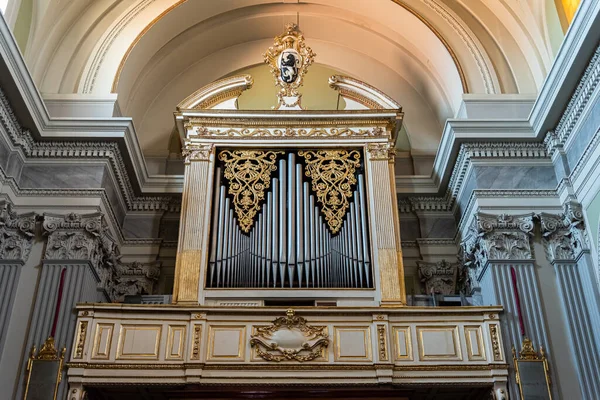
(290,243)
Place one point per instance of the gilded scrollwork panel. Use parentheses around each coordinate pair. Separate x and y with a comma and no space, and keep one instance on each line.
(332,174)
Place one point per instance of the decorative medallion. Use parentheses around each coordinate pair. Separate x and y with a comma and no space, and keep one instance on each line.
(332,174)
(249,174)
(289,59)
(290,338)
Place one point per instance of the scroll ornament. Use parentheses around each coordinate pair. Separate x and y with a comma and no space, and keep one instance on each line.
(439,277)
(289,59)
(248,173)
(332,173)
(16,233)
(290,338)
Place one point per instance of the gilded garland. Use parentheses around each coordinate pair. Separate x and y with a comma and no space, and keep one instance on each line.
(290,338)
(249,174)
(332,174)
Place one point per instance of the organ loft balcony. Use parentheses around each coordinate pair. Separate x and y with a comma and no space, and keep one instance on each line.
(289,263)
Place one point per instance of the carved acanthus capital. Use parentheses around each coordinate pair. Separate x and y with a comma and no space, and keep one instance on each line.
(439,277)
(381,152)
(74,237)
(496,237)
(197,152)
(564,236)
(16,233)
(131,279)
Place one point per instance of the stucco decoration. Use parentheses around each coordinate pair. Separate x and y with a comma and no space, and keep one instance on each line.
(290,338)
(496,238)
(439,277)
(564,236)
(16,233)
(74,237)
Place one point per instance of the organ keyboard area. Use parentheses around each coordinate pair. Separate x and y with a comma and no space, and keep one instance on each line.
(289,219)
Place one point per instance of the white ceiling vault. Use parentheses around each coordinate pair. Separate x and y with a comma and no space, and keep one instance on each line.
(425,54)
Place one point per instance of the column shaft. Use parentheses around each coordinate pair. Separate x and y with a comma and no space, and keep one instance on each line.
(193,231)
(579,327)
(9,279)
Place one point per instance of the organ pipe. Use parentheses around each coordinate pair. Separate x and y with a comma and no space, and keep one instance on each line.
(290,243)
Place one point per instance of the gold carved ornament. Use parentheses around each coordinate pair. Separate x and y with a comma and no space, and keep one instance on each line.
(248,173)
(288,60)
(299,341)
(332,174)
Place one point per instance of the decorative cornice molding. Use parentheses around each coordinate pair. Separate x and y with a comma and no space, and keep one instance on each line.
(102,150)
(16,233)
(579,100)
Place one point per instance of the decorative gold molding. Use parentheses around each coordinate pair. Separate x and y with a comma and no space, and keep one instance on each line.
(241,344)
(453,330)
(381,152)
(105,354)
(381,336)
(310,341)
(196,152)
(174,330)
(196,343)
(471,354)
(203,131)
(81,334)
(396,330)
(248,173)
(332,174)
(495,338)
(367,344)
(123,355)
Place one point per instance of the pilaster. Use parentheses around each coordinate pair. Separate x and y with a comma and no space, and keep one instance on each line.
(16,237)
(386,227)
(73,254)
(497,245)
(566,246)
(193,231)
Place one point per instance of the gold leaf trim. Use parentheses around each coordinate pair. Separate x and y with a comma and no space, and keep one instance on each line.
(315,341)
(332,174)
(248,173)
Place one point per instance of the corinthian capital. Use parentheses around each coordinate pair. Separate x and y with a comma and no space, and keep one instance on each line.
(16,233)
(197,152)
(564,235)
(74,237)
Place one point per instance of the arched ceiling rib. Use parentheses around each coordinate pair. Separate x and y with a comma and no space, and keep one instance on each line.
(414,51)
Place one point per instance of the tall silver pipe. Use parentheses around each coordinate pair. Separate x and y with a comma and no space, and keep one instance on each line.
(227,274)
(313,261)
(291,217)
(214,228)
(359,246)
(259,260)
(219,234)
(299,224)
(364,230)
(283,239)
(306,218)
(263,251)
(354,254)
(275,222)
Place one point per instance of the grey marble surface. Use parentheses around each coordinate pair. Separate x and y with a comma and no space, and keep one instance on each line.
(113,194)
(409,228)
(53,176)
(511,177)
(141,226)
(437,226)
(582,136)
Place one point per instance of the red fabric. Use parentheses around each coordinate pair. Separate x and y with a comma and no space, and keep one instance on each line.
(513,275)
(58,301)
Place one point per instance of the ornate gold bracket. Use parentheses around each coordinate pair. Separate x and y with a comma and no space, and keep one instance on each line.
(290,338)
(332,173)
(249,174)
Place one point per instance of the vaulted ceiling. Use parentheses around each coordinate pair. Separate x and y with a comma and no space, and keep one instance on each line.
(425,54)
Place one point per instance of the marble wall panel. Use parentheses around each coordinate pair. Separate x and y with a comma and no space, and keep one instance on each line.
(141,226)
(113,194)
(4,153)
(409,227)
(583,135)
(511,177)
(14,165)
(56,176)
(437,225)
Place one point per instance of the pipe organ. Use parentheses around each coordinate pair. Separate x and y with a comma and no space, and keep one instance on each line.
(288,203)
(289,219)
